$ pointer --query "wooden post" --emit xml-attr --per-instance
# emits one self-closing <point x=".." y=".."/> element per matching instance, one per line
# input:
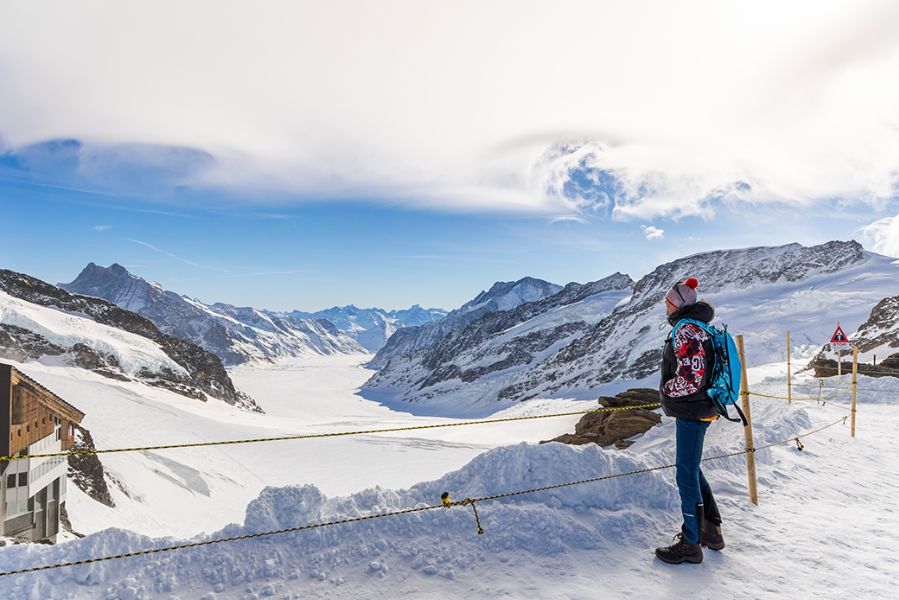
<point x="747" y="431"/>
<point x="789" y="379"/>
<point x="854" y="385"/>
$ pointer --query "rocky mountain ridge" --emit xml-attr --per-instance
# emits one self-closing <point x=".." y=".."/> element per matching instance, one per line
<point x="195" y="372"/>
<point x="234" y="334"/>
<point x="554" y="348"/>
<point x="502" y="296"/>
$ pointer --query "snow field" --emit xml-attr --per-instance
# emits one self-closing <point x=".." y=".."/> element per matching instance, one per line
<point x="813" y="534"/>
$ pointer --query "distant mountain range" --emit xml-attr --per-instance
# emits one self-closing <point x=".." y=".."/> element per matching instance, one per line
<point x="567" y="342"/>
<point x="238" y="334"/>
<point x="371" y="327"/>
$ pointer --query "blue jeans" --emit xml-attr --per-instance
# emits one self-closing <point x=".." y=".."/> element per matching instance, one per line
<point x="696" y="499"/>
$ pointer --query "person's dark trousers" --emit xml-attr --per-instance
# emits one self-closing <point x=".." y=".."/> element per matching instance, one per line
<point x="697" y="501"/>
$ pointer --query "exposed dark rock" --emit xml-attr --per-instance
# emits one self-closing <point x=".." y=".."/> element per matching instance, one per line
<point x="615" y="428"/>
<point x="519" y="351"/>
<point x="881" y="328"/>
<point x="825" y="367"/>
<point x="101" y="363"/>
<point x="647" y="364"/>
<point x="86" y="471"/>
<point x="65" y="522"/>
<point x="23" y="345"/>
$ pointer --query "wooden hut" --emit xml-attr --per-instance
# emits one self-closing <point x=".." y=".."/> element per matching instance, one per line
<point x="33" y="420"/>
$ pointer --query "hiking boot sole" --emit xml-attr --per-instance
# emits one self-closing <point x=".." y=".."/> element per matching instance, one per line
<point x="716" y="547"/>
<point x="695" y="559"/>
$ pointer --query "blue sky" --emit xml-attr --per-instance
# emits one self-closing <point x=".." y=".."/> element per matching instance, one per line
<point x="312" y="254"/>
<point x="299" y="155"/>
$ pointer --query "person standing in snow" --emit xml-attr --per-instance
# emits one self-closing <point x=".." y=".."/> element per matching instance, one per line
<point x="686" y="370"/>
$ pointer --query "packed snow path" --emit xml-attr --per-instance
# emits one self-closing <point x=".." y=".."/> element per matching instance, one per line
<point x="822" y="528"/>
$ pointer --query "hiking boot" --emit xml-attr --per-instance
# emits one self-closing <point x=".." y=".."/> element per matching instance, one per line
<point x="711" y="536"/>
<point x="682" y="551"/>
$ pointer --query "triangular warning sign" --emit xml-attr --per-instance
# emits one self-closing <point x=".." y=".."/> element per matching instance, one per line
<point x="839" y="336"/>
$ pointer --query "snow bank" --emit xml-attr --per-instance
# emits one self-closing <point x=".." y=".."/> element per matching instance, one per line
<point x="439" y="542"/>
<point x="442" y="543"/>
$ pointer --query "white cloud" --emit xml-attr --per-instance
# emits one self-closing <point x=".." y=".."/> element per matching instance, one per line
<point x="883" y="236"/>
<point x="463" y="105"/>
<point x="102" y="227"/>
<point x="652" y="233"/>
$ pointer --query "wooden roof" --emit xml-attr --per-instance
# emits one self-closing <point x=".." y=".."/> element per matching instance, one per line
<point x="48" y="398"/>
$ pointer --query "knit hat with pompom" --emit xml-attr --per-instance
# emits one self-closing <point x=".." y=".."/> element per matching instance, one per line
<point x="682" y="293"/>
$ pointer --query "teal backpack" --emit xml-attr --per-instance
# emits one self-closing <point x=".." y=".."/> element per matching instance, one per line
<point x="724" y="382"/>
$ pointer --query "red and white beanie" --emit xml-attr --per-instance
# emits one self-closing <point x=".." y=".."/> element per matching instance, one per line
<point x="682" y="293"/>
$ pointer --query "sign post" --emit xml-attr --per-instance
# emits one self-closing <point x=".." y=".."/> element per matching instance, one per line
<point x="838" y="343"/>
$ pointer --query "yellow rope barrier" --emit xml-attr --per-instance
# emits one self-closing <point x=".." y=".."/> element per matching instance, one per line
<point x="446" y="502"/>
<point x="310" y="436"/>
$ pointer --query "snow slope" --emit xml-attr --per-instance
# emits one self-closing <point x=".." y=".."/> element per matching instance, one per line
<point x="133" y="352"/>
<point x="822" y="529"/>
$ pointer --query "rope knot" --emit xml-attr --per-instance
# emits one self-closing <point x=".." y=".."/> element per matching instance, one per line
<point x="477" y="519"/>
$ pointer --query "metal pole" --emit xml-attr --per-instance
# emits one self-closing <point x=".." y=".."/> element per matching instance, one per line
<point x="747" y="431"/>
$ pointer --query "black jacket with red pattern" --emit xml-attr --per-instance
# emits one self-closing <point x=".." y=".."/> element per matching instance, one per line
<point x="686" y="366"/>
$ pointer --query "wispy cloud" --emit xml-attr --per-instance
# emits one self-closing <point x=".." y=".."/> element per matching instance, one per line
<point x="186" y="261"/>
<point x="269" y="273"/>
<point x="568" y="219"/>
<point x="473" y="258"/>
<point x="102" y="227"/>
<point x="651" y="232"/>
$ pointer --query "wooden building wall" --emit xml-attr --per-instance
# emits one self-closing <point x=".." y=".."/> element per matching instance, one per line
<point x="30" y="417"/>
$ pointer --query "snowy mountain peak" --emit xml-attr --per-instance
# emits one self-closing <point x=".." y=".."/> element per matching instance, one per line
<point x="506" y="295"/>
<point x="234" y="334"/>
